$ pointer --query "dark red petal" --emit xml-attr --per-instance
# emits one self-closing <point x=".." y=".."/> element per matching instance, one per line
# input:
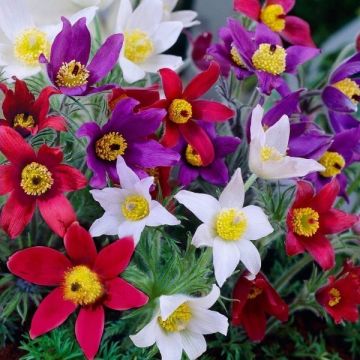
<point x="201" y="83"/>
<point x="89" y="328"/>
<point x="171" y="134"/>
<point x="79" y="245"/>
<point x="293" y="244"/>
<point x="51" y="313"/>
<point x="23" y="95"/>
<point x="325" y="198"/>
<point x="57" y="123"/>
<point x="50" y="156"/>
<point x="320" y="248"/>
<point x="250" y="8"/>
<point x="114" y="258"/>
<point x="240" y="296"/>
<point x="7" y="178"/>
<point x="70" y="178"/>
<point x="335" y="221"/>
<point x="123" y="296"/>
<point x="172" y="84"/>
<point x="211" y="111"/>
<point x="254" y="321"/>
<point x="304" y="193"/>
<point x="297" y="31"/>
<point x="41" y="104"/>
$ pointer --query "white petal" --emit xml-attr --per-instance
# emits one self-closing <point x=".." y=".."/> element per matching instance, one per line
<point x="255" y="162"/>
<point x="207" y="301"/>
<point x="124" y="14"/>
<point x="186" y="17"/>
<point x="110" y="199"/>
<point x="277" y="136"/>
<point x="146" y="336"/>
<point x="249" y="256"/>
<point x="106" y="225"/>
<point x="203" y="206"/>
<point x="166" y="35"/>
<point x="101" y="3"/>
<point x="208" y="322"/>
<point x="126" y="175"/>
<point x="256" y="129"/>
<point x="156" y="62"/>
<point x="131" y="228"/>
<point x="131" y="72"/>
<point x="169" y="303"/>
<point x="143" y="186"/>
<point x="233" y="194"/>
<point x="169" y="344"/>
<point x="258" y="224"/>
<point x="146" y="16"/>
<point x="193" y="344"/>
<point x="169" y="5"/>
<point x="203" y="236"/>
<point x="160" y="216"/>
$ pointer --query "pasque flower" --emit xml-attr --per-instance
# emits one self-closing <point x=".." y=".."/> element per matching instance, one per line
<point x="68" y="68"/>
<point x="129" y="209"/>
<point x="312" y="217"/>
<point x="200" y="46"/>
<point x="184" y="108"/>
<point x="35" y="179"/>
<point x="228" y="227"/>
<point x="186" y="17"/>
<point x="27" y="115"/>
<point x="253" y="301"/>
<point x="179" y="323"/>
<point x="83" y="278"/>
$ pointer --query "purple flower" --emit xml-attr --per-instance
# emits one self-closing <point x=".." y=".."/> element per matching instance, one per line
<point x="68" y="68"/>
<point x="126" y="134"/>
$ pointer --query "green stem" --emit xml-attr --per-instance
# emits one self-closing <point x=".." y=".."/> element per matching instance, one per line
<point x="249" y="182"/>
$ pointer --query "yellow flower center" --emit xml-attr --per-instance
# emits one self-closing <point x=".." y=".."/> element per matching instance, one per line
<point x="72" y="74"/>
<point x="270" y="153"/>
<point x="178" y="320"/>
<point x="305" y="221"/>
<point x="254" y="292"/>
<point x="135" y="207"/>
<point x="335" y="297"/>
<point x="333" y="163"/>
<point x="349" y="88"/>
<point x="24" y="120"/>
<point x="82" y="286"/>
<point x="230" y="224"/>
<point x="192" y="156"/>
<point x="270" y="58"/>
<point x="36" y="179"/>
<point x="180" y="111"/>
<point x="273" y="16"/>
<point x="236" y="57"/>
<point x="138" y="46"/>
<point x="110" y="146"/>
<point x="29" y="45"/>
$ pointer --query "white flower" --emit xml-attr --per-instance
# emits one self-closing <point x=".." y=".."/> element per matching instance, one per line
<point x="24" y="40"/>
<point x="228" y="227"/>
<point x="145" y="38"/>
<point x="185" y="16"/>
<point x="102" y="4"/>
<point x="129" y="209"/>
<point x="179" y="323"/>
<point x="267" y="156"/>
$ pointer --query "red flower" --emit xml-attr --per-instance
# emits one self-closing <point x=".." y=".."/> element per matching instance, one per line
<point x="311" y="217"/>
<point x="273" y="14"/>
<point x="83" y="278"/>
<point x="35" y="179"/>
<point x="199" y="48"/>
<point x="253" y="301"/>
<point x="183" y="109"/>
<point x="27" y="115"/>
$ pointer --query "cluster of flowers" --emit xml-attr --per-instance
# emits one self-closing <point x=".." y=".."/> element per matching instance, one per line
<point x="146" y="140"/>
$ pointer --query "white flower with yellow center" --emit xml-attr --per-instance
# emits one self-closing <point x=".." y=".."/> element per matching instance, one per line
<point x="129" y="209"/>
<point x="146" y="36"/>
<point x="180" y="323"/>
<point x="186" y="17"/>
<point x="228" y="227"/>
<point x="267" y="155"/>
<point x="24" y="40"/>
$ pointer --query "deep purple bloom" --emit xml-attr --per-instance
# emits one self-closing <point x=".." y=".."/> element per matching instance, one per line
<point x="68" y="68"/>
<point x="127" y="134"/>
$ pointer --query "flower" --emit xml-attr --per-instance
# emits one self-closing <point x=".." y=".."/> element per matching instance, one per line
<point x="253" y="301"/>
<point x="179" y="323"/>
<point x="129" y="209"/>
<point x="267" y="156"/>
<point x="146" y="36"/>
<point x="25" y="41"/>
<point x="35" y="179"/>
<point x="68" y="68"/>
<point x="311" y="217"/>
<point x="125" y="134"/>
<point x="199" y="48"/>
<point x="228" y="227"/>
<point x="183" y="109"/>
<point x="186" y="17"/>
<point x="27" y="115"/>
<point x="274" y="15"/>
<point x="83" y="278"/>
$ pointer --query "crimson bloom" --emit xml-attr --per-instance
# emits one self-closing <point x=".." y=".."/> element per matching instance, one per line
<point x="83" y="278"/>
<point x="35" y="179"/>
<point x="274" y="15"/>
<point x="184" y="108"/>
<point x="311" y="217"/>
<point x="27" y="115"/>
<point x="253" y="301"/>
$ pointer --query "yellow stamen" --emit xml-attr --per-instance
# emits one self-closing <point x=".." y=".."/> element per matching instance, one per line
<point x="138" y="46"/>
<point x="236" y="57"/>
<point x="110" y="146"/>
<point x="178" y="320"/>
<point x="305" y="221"/>
<point x="254" y="292"/>
<point x="349" y="88"/>
<point x="335" y="297"/>
<point x="135" y="207"/>
<point x="270" y="153"/>
<point x="180" y="111"/>
<point x="273" y="16"/>
<point x="72" y="74"/>
<point x="333" y="163"/>
<point x="24" y="120"/>
<point x="192" y="156"/>
<point x="82" y="286"/>
<point x="270" y="58"/>
<point x="230" y="224"/>
<point x="36" y="179"/>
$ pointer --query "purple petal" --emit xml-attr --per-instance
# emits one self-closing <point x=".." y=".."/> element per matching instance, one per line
<point x="89" y="129"/>
<point x="345" y="70"/>
<point x="74" y="91"/>
<point x="267" y="81"/>
<point x="263" y="35"/>
<point x="297" y="55"/>
<point x="342" y="121"/>
<point x="187" y="174"/>
<point x="335" y="100"/>
<point x="216" y="173"/>
<point x="225" y="145"/>
<point x="347" y="144"/>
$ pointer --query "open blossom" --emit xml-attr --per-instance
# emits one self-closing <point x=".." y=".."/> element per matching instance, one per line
<point x="83" y="278"/>
<point x="68" y="68"/>
<point x="312" y="217"/>
<point x="186" y="17"/>
<point x="35" y="179"/>
<point x="180" y="323"/>
<point x="228" y="227"/>
<point x="267" y="157"/>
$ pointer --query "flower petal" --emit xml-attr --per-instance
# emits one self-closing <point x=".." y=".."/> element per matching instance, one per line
<point x="208" y="322"/>
<point x="250" y="8"/>
<point x="146" y="336"/>
<point x="171" y="83"/>
<point x="131" y="228"/>
<point x="335" y="221"/>
<point x="203" y="236"/>
<point x="169" y="344"/>
<point x="166" y="35"/>
<point x="106" y="225"/>
<point x="293" y="244"/>
<point x="131" y="71"/>
<point x="156" y="62"/>
<point x="160" y="216"/>
<point x="126" y="175"/>
<point x="297" y="31"/>
<point x="169" y="303"/>
<point x="258" y="224"/>
<point x="207" y="301"/>
<point x="71" y="179"/>
<point x="249" y="256"/>
<point x="278" y="135"/>
<point x="234" y="193"/>
<point x="146" y="16"/>
<point x="297" y="55"/>
<point x="211" y="111"/>
<point x="194" y="344"/>
<point x="7" y="176"/>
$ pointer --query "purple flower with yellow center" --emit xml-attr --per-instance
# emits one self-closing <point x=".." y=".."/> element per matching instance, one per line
<point x="127" y="134"/>
<point x="68" y="68"/>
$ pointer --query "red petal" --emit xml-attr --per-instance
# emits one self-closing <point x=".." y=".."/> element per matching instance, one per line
<point x="293" y="245"/>
<point x="304" y="193"/>
<point x="70" y="179"/>
<point x="51" y="313"/>
<point x="22" y="93"/>
<point x="250" y="8"/>
<point x="201" y="83"/>
<point x="171" y="134"/>
<point x="172" y="84"/>
<point x="254" y="321"/>
<point x="297" y="31"/>
<point x="146" y="96"/>
<point x="50" y="156"/>
<point x="325" y="198"/>
<point x="41" y="105"/>
<point x="123" y="296"/>
<point x="7" y="177"/>
<point x="57" y="123"/>
<point x="320" y="248"/>
<point x="114" y="258"/>
<point x="89" y="328"/>
<point x="286" y="4"/>
<point x="335" y="221"/>
<point x="79" y="245"/>
<point x="240" y="296"/>
<point x="211" y="111"/>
